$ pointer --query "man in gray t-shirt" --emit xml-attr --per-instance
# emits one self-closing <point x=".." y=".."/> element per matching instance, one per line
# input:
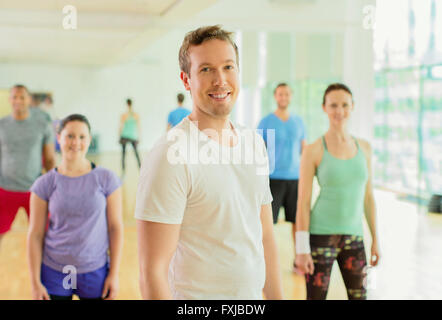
<point x="26" y="144"/>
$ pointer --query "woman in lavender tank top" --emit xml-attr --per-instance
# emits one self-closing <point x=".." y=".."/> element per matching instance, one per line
<point x="76" y="249"/>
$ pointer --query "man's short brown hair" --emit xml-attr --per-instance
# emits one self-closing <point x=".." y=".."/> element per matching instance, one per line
<point x="282" y="84"/>
<point x="200" y="35"/>
<point x="22" y="87"/>
<point x="180" y="97"/>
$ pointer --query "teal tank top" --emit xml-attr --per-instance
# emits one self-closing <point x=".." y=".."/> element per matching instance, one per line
<point x="339" y="208"/>
<point x="130" y="128"/>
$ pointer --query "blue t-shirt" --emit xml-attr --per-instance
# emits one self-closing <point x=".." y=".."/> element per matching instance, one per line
<point x="177" y="115"/>
<point x="283" y="145"/>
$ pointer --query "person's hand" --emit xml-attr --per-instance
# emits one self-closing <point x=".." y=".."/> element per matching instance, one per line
<point x="375" y="256"/>
<point x="39" y="292"/>
<point x="304" y="263"/>
<point x="110" y="288"/>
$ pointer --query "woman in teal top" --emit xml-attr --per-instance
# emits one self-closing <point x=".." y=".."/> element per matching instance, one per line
<point x="333" y="229"/>
<point x="129" y="133"/>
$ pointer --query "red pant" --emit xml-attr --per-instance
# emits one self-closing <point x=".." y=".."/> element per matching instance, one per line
<point x="10" y="202"/>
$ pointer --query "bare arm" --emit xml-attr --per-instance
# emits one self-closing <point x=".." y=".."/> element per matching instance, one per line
<point x="35" y="239"/>
<point x="49" y="156"/>
<point x="115" y="229"/>
<point x="120" y="129"/>
<point x="303" y="145"/>
<point x="370" y="206"/>
<point x="157" y="243"/>
<point x="138" y="126"/>
<point x="304" y="261"/>
<point x="306" y="175"/>
<point x="273" y="285"/>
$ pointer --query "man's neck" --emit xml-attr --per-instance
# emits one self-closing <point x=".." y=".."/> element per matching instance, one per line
<point x="207" y="123"/>
<point x="281" y="113"/>
<point x="20" y="116"/>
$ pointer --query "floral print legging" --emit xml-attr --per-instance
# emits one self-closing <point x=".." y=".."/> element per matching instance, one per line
<point x="349" y="251"/>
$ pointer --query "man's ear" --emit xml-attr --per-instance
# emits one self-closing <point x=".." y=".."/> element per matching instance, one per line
<point x="186" y="80"/>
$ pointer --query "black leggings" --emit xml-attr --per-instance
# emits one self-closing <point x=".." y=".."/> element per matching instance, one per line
<point x="349" y="251"/>
<point x="134" y="143"/>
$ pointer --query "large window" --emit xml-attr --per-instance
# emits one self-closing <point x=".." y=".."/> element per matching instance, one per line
<point x="408" y="112"/>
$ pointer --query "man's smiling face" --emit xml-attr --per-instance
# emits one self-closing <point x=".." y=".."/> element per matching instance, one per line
<point x="214" y="77"/>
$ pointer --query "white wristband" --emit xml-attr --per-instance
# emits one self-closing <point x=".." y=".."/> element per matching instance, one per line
<point x="303" y="242"/>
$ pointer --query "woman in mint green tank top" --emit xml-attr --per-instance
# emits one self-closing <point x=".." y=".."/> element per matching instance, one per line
<point x="333" y="228"/>
<point x="129" y="133"/>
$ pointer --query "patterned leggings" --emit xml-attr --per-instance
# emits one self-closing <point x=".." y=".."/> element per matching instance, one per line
<point x="350" y="253"/>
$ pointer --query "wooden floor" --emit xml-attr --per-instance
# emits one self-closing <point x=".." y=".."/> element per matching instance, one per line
<point x="411" y="243"/>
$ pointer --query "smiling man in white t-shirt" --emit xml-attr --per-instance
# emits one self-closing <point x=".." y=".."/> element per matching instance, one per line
<point x="203" y="209"/>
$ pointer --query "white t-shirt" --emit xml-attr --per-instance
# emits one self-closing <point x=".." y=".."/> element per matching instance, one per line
<point x="218" y="203"/>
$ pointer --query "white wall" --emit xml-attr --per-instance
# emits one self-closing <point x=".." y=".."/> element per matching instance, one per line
<point x="358" y="69"/>
<point x="100" y="93"/>
<point x="151" y="79"/>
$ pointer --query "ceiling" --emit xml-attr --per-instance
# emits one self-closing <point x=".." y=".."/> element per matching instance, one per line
<point x="286" y="15"/>
<point x="154" y="7"/>
<point x="114" y="31"/>
<point x="108" y="31"/>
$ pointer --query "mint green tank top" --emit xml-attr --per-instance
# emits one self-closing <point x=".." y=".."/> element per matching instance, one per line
<point x="130" y="128"/>
<point x="339" y="208"/>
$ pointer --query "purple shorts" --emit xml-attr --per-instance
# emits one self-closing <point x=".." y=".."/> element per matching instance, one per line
<point x="84" y="285"/>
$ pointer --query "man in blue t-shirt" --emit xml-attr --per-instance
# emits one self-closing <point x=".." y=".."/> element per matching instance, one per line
<point x="178" y="114"/>
<point x="284" y="154"/>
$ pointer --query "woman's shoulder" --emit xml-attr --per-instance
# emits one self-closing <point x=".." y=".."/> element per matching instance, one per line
<point x="107" y="179"/>
<point x="45" y="180"/>
<point x="48" y="176"/>
<point x="102" y="171"/>
<point x="364" y="144"/>
<point x="313" y="152"/>
<point x="315" y="146"/>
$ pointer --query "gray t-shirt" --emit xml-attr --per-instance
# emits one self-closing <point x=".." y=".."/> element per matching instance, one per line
<point x="21" y="150"/>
